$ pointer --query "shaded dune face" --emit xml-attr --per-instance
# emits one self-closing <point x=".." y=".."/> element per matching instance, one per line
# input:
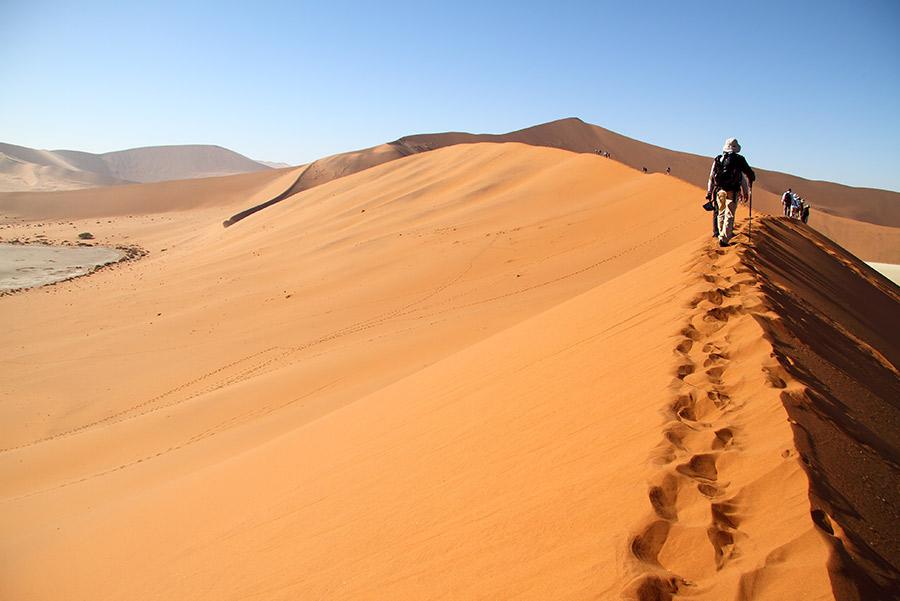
<point x="485" y="371"/>
<point x="837" y="332"/>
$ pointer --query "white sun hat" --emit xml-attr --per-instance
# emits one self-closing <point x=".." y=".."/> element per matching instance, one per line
<point x="731" y="145"/>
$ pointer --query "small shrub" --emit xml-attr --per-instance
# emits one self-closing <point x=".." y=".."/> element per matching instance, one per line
<point x="86" y="236"/>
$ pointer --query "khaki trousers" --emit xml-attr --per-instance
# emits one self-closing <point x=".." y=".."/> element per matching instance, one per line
<point x="727" y="205"/>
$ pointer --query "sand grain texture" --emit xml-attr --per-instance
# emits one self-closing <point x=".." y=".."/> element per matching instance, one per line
<point x="479" y="372"/>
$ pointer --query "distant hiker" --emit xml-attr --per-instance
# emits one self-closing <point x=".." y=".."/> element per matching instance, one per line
<point x="726" y="184"/>
<point x="786" y="200"/>
<point x="668" y="171"/>
<point x="797" y="203"/>
<point x="645" y="169"/>
<point x="804" y="212"/>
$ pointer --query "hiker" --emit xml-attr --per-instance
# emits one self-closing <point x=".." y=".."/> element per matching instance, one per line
<point x="787" y="200"/>
<point x="804" y="212"/>
<point x="726" y="185"/>
<point x="668" y="171"/>
<point x="645" y="169"/>
<point x="797" y="203"/>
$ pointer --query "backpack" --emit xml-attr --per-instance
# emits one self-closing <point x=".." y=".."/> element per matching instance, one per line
<point x="727" y="172"/>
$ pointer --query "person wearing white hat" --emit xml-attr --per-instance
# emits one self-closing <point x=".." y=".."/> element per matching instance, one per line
<point x="726" y="184"/>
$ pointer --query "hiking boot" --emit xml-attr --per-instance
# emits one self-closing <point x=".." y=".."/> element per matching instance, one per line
<point x="723" y="242"/>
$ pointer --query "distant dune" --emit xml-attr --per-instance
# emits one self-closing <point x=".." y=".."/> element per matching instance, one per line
<point x="486" y="371"/>
<point x="864" y="220"/>
<point x="881" y="207"/>
<point x="26" y="169"/>
<point x="274" y="165"/>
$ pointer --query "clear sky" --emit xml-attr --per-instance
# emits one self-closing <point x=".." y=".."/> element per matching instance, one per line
<point x="810" y="88"/>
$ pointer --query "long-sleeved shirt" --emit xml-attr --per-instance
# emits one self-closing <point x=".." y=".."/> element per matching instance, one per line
<point x="741" y="164"/>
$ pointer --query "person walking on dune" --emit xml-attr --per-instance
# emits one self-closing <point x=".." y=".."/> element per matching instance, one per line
<point x="787" y="200"/>
<point x="726" y="184"/>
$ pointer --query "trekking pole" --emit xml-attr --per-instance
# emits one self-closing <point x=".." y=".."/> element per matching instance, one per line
<point x="750" y="202"/>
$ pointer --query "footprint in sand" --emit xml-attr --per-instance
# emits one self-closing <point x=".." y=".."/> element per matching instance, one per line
<point x="684" y="370"/>
<point x="685" y="346"/>
<point x="775" y="377"/>
<point x="724" y="438"/>
<point x="700" y="467"/>
<point x="722" y="314"/>
<point x="663" y="497"/>
<point x="646" y="545"/>
<point x="714" y="357"/>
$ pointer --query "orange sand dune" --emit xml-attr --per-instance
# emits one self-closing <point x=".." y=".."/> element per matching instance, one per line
<point x="324" y="170"/>
<point x="142" y="199"/>
<point x="844" y="213"/>
<point x="487" y="371"/>
<point x="881" y="207"/>
<point x="837" y="332"/>
<point x="867" y="221"/>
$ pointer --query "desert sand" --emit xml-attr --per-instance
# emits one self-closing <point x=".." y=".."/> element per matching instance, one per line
<point x="486" y="371"/>
<point x="24" y="169"/>
<point x="864" y="220"/>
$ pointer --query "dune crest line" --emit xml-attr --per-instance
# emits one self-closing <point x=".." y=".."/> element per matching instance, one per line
<point x="704" y="485"/>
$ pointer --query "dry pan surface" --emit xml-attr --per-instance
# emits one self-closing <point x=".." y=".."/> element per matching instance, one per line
<point x="26" y="266"/>
<point x="480" y="373"/>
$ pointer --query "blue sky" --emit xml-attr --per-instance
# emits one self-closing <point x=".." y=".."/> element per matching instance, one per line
<point x="811" y="88"/>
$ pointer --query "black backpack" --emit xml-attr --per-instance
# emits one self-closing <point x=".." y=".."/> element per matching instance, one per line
<point x="727" y="173"/>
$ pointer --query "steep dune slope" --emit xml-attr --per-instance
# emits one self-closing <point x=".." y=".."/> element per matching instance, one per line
<point x="235" y="337"/>
<point x="324" y="170"/>
<point x="866" y="221"/>
<point x="880" y="207"/>
<point x="481" y="372"/>
<point x="836" y="332"/>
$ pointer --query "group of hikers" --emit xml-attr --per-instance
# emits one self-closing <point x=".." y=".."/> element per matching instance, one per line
<point x="794" y="206"/>
<point x="730" y="181"/>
